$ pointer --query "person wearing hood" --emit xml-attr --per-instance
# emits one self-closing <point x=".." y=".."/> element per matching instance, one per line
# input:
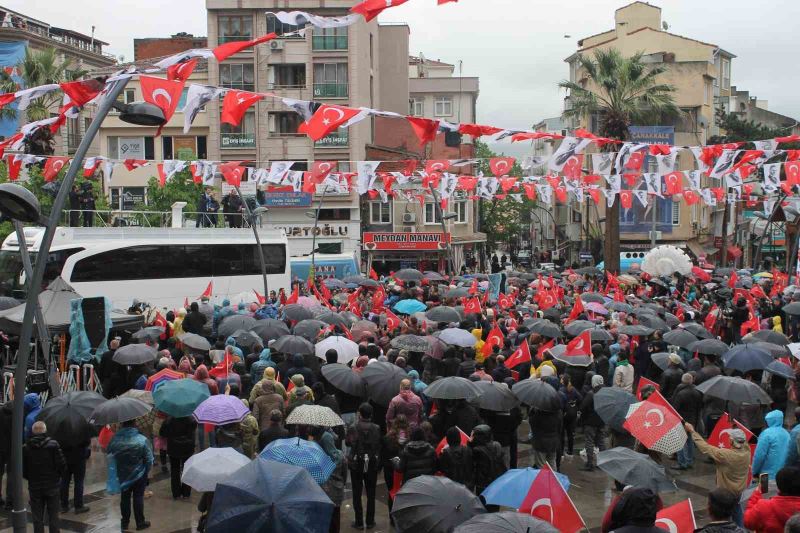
<point x="299" y="367"/>
<point x="300" y="394"/>
<point x="776" y="324"/>
<point x="266" y="402"/>
<point x="623" y="374"/>
<point x="487" y="459"/>
<point x="185" y="366"/>
<point x="194" y="321"/>
<point x="546" y="427"/>
<point x="32" y="406"/>
<point x="721" y="506"/>
<point x="688" y="401"/>
<point x="268" y="375"/>
<point x="42" y="465"/>
<point x="635" y="512"/>
<point x="177" y="324"/>
<point x="250" y="429"/>
<point x="364" y="447"/>
<point x="672" y="376"/>
<point x="456" y="460"/>
<point x="418" y="457"/>
<point x="406" y="403"/>
<point x="770" y="515"/>
<point x="772" y="448"/>
<point x="230" y="436"/>
<point x="321" y="397"/>
<point x="417" y="385"/>
<point x="264" y="361"/>
<point x="130" y="459"/>
<point x="201" y="375"/>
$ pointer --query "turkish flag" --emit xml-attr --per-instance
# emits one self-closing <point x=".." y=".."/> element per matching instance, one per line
<point x="724" y="426"/>
<point x="14" y="165"/>
<point x="495" y="338"/>
<point x="320" y="169"/>
<point x="209" y="289"/>
<point x="678" y="518"/>
<point x="733" y="279"/>
<point x="635" y="161"/>
<point x="295" y="295"/>
<point x="425" y="129"/>
<point x="370" y="9"/>
<point x="573" y="168"/>
<point x="434" y="166"/>
<point x="443" y="443"/>
<point x="372" y="274"/>
<point x="392" y="321"/>
<point x="530" y="190"/>
<point x="181" y="71"/>
<point x="520" y="355"/>
<point x="326" y="119"/>
<point x="547" y="300"/>
<point x="643" y="381"/>
<point x="758" y="292"/>
<point x="226" y="50"/>
<point x="626" y="199"/>
<point x="162" y="93"/>
<point x="476" y="130"/>
<point x="236" y="104"/>
<point x="548" y="501"/>
<point x="132" y="164"/>
<point x="506" y="184"/>
<point x="232" y="172"/>
<point x="691" y="197"/>
<point x="792" y="169"/>
<point x="473" y="306"/>
<point x="162" y="175"/>
<point x="53" y="167"/>
<point x="577" y="309"/>
<point x="260" y="297"/>
<point x="82" y="92"/>
<point x="580" y="345"/>
<point x="544" y="347"/>
<point x="473" y="289"/>
<point x="505" y="301"/>
<point x="654" y="425"/>
<point x="711" y="318"/>
<point x="673" y="183"/>
<point x="501" y="166"/>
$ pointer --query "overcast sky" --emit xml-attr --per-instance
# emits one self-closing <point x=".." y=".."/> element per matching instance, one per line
<point x="516" y="47"/>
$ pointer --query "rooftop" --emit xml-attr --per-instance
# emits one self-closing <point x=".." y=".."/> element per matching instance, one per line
<point x="414" y="60"/>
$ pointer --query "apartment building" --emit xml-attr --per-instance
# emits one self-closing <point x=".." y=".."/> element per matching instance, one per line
<point x="153" y="47"/>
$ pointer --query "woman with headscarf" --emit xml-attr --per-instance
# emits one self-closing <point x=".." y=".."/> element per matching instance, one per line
<point x="201" y="374"/>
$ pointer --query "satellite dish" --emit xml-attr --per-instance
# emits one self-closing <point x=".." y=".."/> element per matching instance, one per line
<point x="665" y="25"/>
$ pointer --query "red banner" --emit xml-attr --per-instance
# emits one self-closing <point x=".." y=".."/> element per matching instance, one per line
<point x="405" y="241"/>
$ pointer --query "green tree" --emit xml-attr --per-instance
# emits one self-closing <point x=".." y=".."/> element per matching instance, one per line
<point x="39" y="67"/>
<point x="180" y="188"/>
<point x="623" y="91"/>
<point x="738" y="130"/>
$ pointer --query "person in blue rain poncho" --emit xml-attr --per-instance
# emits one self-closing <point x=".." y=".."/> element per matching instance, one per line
<point x="32" y="406"/>
<point x="264" y="361"/>
<point x="129" y="461"/>
<point x="772" y="448"/>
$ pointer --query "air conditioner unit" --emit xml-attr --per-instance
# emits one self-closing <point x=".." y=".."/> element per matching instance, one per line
<point x="409" y="218"/>
<point x="276" y="44"/>
<point x="408" y="229"/>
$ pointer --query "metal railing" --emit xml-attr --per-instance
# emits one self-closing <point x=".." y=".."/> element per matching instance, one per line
<point x="330" y="90"/>
<point x="153" y="219"/>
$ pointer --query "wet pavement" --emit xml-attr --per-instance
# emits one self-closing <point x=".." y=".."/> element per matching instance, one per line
<point x="591" y="492"/>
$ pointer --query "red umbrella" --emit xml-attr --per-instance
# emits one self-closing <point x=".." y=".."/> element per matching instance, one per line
<point x="160" y="377"/>
<point x="701" y="274"/>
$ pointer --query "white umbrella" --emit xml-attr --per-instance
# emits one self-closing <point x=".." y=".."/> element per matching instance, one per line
<point x="314" y="415"/>
<point x="204" y="470"/>
<point x="347" y="349"/>
<point x="458" y="337"/>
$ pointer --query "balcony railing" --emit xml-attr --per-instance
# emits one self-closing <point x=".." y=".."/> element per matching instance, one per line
<point x="329" y="42"/>
<point x="330" y="90"/>
<point x="237" y="140"/>
<point x="230" y="38"/>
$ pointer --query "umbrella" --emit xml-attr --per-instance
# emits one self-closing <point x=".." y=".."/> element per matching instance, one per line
<point x="734" y="389"/>
<point x="204" y="470"/>
<point x="308" y="302"/>
<point x="232" y="323"/>
<point x="67" y="417"/>
<point x="195" y="342"/>
<point x="596" y="308"/>
<point x="510" y="489"/>
<point x="599" y="334"/>
<point x="309" y="329"/>
<point x="314" y="415"/>
<point x="680" y="337"/>
<point x="781" y="369"/>
<point x="436" y="346"/>
<point x="434" y="505"/>
<point x="773" y="349"/>
<point x="661" y="359"/>
<point x="654" y="322"/>
<point x="547" y="329"/>
<point x="296" y="312"/>
<point x="495" y="396"/>
<point x="269" y="497"/>
<point x="354" y="279"/>
<point x="151" y="333"/>
<point x="161" y="377"/>
<point x="299" y="452"/>
<point x="246" y="339"/>
<point x="595" y="297"/>
<point x="220" y="409"/>
<point x="620" y="306"/>
<point x="458" y="292"/>
<point x="792" y="308"/>
<point x="592" y="271"/>
<point x="577" y="327"/>
<point x="292" y="344"/>
<point x="709" y="347"/>
<point x="443" y="313"/>
<point x="697" y="330"/>
<point x="505" y="522"/>
<point x="369" y="283"/>
<point x="344" y="379"/>
<point x="270" y="329"/>
<point x="143" y="395"/>
<point x="452" y="388"/>
<point x="637" y="330"/>
<point x="364" y="326"/>
<point x="433" y="276"/>
<point x="671" y="320"/>
<point x="637" y="469"/>
<point x="744" y="357"/>
<point x="701" y="274"/>
<point x="409" y="307"/>
<point x="458" y="337"/>
<point x="767" y="335"/>
<point x="383" y="381"/>
<point x="558" y="352"/>
<point x="611" y="404"/>
<point x="117" y="410"/>
<point x="346" y="349"/>
<point x="412" y="343"/>
<point x="537" y="394"/>
<point x="333" y="283"/>
<point x="7" y="302"/>
<point x="134" y="354"/>
<point x="408" y="274"/>
<point x="333" y="319"/>
<point x="349" y="317"/>
<point x="180" y="397"/>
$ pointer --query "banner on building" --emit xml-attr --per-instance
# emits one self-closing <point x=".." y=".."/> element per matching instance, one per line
<point x="639" y="218"/>
<point x="405" y="241"/>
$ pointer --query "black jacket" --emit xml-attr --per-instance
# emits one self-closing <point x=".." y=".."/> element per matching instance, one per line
<point x="546" y="428"/>
<point x="74" y="455"/>
<point x="688" y="401"/>
<point x="180" y="435"/>
<point x="5" y="429"/>
<point x="504" y="425"/>
<point x="589" y="416"/>
<point x="670" y="380"/>
<point x="42" y="463"/>
<point x="418" y="458"/>
<point x="450" y="367"/>
<point x="456" y="463"/>
<point x="720" y="527"/>
<point x="193" y="322"/>
<point x="271" y="433"/>
<point x="364" y="439"/>
<point x="487" y="458"/>
<point x="466" y="368"/>
<point x="464" y="416"/>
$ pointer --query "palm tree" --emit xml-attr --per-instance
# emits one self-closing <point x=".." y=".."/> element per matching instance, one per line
<point x="622" y="91"/>
<point x="40" y="67"/>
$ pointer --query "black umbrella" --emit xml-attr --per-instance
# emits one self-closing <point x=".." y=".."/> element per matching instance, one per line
<point x="349" y="317"/>
<point x="117" y="410"/>
<point x="151" y="333"/>
<point x="368" y="283"/>
<point x="246" y="339"/>
<point x="680" y="337"/>
<point x="709" y="347"/>
<point x="697" y="330"/>
<point x="433" y="504"/>
<point x="746" y="357"/>
<point x="195" y="342"/>
<point x="781" y="369"/>
<point x="611" y="404"/>
<point x="724" y="271"/>
<point x="443" y="313"/>
<point x="767" y="335"/>
<point x="577" y="327"/>
<point x="383" y="381"/>
<point x="773" y="349"/>
<point x="734" y="389"/>
<point x="559" y="354"/>
<point x="619" y="306"/>
<point x="334" y="319"/>
<point x="270" y="329"/>
<point x="599" y="334"/>
<point x="593" y="271"/>
<point x="637" y="330"/>
<point x="67" y="417"/>
<point x="458" y="292"/>
<point x="547" y="329"/>
<point x="232" y="323"/>
<point x="134" y="354"/>
<point x="671" y="320"/>
<point x="354" y="279"/>
<point x="792" y="308"/>
<point x="412" y="343"/>
<point x="296" y="312"/>
<point x="537" y="394"/>
<point x="333" y="283"/>
<point x="430" y="275"/>
<point x="636" y="469"/>
<point x="505" y="522"/>
<point x="7" y="302"/>
<point x="654" y="322"/>
<point x="309" y="328"/>
<point x="496" y="396"/>
<point x="661" y="359"/>
<point x="408" y="274"/>
<point x="293" y="345"/>
<point x="595" y="297"/>
<point x="553" y="313"/>
<point x="343" y="378"/>
<point x="452" y="388"/>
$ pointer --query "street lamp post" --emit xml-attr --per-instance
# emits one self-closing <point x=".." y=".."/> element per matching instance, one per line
<point x="252" y="220"/>
<point x="443" y="217"/>
<point x="769" y="217"/>
<point x="315" y="216"/>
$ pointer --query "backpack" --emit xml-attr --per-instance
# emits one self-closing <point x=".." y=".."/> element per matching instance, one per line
<point x="363" y="453"/>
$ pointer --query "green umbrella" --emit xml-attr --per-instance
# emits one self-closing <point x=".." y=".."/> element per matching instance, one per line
<point x="180" y="397"/>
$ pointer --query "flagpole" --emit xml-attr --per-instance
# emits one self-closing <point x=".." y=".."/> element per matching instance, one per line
<point x="252" y="221"/>
<point x="566" y="494"/>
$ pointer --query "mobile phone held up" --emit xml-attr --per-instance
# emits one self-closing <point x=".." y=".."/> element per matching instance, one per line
<point x="763" y="481"/>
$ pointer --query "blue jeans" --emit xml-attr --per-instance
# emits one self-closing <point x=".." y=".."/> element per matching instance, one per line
<point x="686" y="454"/>
<point x="738" y="514"/>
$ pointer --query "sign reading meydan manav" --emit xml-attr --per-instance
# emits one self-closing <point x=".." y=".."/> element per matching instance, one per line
<point x="405" y="241"/>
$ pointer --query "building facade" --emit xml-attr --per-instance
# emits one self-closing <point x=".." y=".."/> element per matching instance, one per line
<point x="152" y="47"/>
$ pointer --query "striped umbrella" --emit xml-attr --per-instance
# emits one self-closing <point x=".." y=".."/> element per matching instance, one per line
<point x="161" y="377"/>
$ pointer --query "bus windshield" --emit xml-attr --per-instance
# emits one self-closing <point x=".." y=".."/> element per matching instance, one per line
<point x="12" y="277"/>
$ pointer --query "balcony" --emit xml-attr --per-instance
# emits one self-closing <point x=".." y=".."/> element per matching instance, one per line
<point x="231" y="38"/>
<point x="329" y="42"/>
<point x="330" y="90"/>
<point x="338" y="139"/>
<point x="237" y="140"/>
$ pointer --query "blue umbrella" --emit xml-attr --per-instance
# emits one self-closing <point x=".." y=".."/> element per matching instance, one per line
<point x="510" y="489"/>
<point x="744" y="357"/>
<point x="302" y="453"/>
<point x="180" y="397"/>
<point x="268" y="497"/>
<point x="409" y="307"/>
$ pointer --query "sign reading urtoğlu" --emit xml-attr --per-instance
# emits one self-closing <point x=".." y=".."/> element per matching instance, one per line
<point x="405" y="241"/>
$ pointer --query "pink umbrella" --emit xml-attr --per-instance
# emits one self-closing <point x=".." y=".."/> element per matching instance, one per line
<point x="595" y="307"/>
<point x="307" y="302"/>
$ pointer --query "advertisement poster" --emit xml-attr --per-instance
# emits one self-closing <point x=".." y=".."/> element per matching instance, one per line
<point x="639" y="219"/>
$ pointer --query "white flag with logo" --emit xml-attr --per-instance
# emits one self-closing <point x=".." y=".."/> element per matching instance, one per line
<point x="641" y="196"/>
<point x="772" y="176"/>
<point x="653" y="183"/>
<point x="569" y="147"/>
<point x="545" y="192"/>
<point x="614" y="182"/>
<point x="366" y="175"/>
<point x="610" y="196"/>
<point x="278" y="171"/>
<point x="724" y="163"/>
<point x="602" y="163"/>
<point x="197" y="96"/>
<point x="708" y="197"/>
<point x="693" y="177"/>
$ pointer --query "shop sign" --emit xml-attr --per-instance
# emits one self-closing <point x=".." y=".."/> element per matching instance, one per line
<point x="405" y="241"/>
<point x="323" y="230"/>
<point x="287" y="199"/>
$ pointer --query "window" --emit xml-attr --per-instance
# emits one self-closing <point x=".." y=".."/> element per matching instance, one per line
<point x="131" y="148"/>
<point x="183" y="147"/>
<point x="443" y="106"/>
<point x="329" y="39"/>
<point x="334" y="214"/>
<point x="237" y="76"/>
<point x="460" y="209"/>
<point x="432" y="214"/>
<point x="11" y="270"/>
<point x="234" y="28"/>
<point x="706" y="93"/>
<point x="241" y="136"/>
<point x="416" y="107"/>
<point x="287" y="76"/>
<point x="329" y="247"/>
<point x="284" y="124"/>
<point x="73" y="135"/>
<point x="726" y="73"/>
<point x="380" y="213"/>
<point x="676" y="213"/>
<point x="276" y="26"/>
<point x="330" y="80"/>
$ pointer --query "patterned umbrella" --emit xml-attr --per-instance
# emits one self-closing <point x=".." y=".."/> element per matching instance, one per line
<point x="314" y="415"/>
<point x="305" y="454"/>
<point x="161" y="377"/>
<point x="180" y="397"/>
<point x="412" y="343"/>
<point x="220" y="409"/>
